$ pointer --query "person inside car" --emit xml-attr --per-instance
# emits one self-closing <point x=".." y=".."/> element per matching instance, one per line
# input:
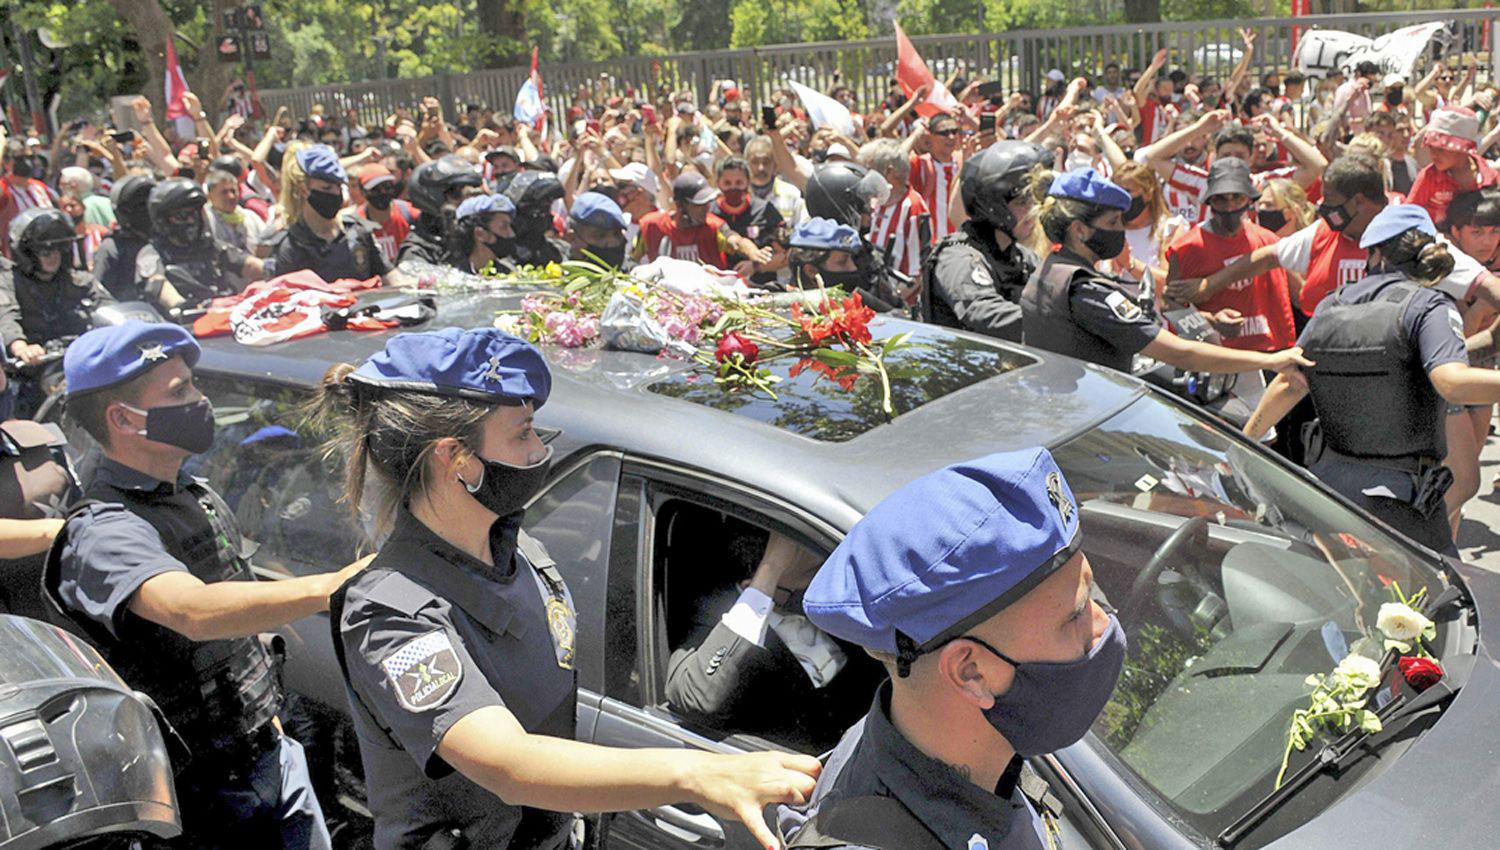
<point x="458" y="644"/>
<point x="971" y="586"/>
<point x="751" y="639"/>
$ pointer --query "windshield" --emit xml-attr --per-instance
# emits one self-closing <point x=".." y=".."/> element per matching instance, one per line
<point x="1263" y="579"/>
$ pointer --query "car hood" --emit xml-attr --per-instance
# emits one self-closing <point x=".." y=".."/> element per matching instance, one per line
<point x="1441" y="792"/>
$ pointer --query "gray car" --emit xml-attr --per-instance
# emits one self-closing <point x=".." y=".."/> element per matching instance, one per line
<point x="1236" y="575"/>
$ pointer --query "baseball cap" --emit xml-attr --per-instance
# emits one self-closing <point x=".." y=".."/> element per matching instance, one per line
<point x="637" y="174"/>
<point x="375" y="174"/>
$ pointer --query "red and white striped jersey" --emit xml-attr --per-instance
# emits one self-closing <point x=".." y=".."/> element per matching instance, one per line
<point x="1157" y="120"/>
<point x="933" y="180"/>
<point x="1185" y="188"/>
<point x="898" y="229"/>
<point x="17" y="197"/>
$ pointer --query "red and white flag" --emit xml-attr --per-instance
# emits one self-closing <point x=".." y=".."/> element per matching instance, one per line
<point x="530" y="108"/>
<point x="176" y="84"/>
<point x="4" y="75"/>
<point x="912" y="73"/>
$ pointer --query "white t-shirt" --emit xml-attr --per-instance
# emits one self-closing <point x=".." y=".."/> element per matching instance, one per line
<point x="1295" y="255"/>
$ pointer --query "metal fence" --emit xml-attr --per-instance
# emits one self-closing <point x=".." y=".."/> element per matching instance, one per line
<point x="1018" y="58"/>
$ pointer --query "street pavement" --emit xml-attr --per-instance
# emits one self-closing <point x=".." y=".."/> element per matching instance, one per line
<point x="1479" y="536"/>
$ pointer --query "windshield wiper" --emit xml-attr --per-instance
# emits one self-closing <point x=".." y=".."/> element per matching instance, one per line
<point x="1337" y="754"/>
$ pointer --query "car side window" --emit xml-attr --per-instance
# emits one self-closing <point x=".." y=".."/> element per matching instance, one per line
<point x="572" y="518"/>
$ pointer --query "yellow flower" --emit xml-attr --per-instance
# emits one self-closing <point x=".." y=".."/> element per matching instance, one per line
<point x="553" y="270"/>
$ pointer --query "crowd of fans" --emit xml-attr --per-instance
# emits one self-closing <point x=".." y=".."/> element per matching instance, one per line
<point x="727" y="179"/>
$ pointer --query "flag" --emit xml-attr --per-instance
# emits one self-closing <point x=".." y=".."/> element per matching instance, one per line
<point x="530" y="108"/>
<point x="912" y="74"/>
<point x="256" y="111"/>
<point x="176" y="83"/>
<point x="824" y="111"/>
<point x="4" y="75"/>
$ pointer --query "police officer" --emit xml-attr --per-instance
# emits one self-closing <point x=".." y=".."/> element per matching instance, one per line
<point x="152" y="568"/>
<point x="484" y="237"/>
<point x="1390" y="352"/>
<point x="37" y="486"/>
<point x="44" y="299"/>
<point x="596" y="230"/>
<point x="823" y="252"/>
<point x="999" y="654"/>
<point x="458" y="642"/>
<point x="319" y="239"/>
<point x="436" y="189"/>
<point x="115" y="258"/>
<point x="1071" y="308"/>
<point x="848" y="194"/>
<point x="534" y="193"/>
<point x="973" y="278"/>
<point x="184" y="265"/>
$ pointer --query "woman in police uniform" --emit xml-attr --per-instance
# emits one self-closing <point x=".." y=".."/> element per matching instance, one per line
<point x="457" y="643"/>
<point x="1071" y="308"/>
<point x="1390" y="352"/>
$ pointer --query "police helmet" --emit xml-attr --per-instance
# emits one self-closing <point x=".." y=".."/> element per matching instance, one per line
<point x="845" y="192"/>
<point x="38" y="229"/>
<point x="432" y="181"/>
<point x="108" y="747"/>
<point x="128" y="197"/>
<point x="533" y="193"/>
<point x="995" y="177"/>
<point x="173" y="196"/>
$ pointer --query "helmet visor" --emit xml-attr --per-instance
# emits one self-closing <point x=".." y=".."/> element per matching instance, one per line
<point x="873" y="188"/>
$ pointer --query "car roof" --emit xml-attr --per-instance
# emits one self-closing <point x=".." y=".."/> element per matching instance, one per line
<point x="603" y="398"/>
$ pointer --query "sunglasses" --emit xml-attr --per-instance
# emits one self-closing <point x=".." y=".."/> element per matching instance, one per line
<point x="949" y="133"/>
<point x="184" y="217"/>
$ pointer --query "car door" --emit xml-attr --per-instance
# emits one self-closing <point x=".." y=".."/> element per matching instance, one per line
<point x="633" y="710"/>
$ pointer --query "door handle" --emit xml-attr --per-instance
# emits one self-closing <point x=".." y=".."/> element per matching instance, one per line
<point x="692" y="828"/>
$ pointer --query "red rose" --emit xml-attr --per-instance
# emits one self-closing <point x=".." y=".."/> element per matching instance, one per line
<point x="1420" y="673"/>
<point x="854" y="319"/>
<point x="731" y="344"/>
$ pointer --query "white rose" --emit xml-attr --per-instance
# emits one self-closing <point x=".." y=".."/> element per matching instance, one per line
<point x="1359" y="671"/>
<point x="1400" y="622"/>
<point x="509" y="323"/>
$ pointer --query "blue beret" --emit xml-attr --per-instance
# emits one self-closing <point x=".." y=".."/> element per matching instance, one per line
<point x="104" y="357"/>
<point x="484" y="364"/>
<point x="825" y="234"/>
<point x="1085" y="184"/>
<point x="1395" y="220"/>
<point x="598" y="210"/>
<point x="483" y="204"/>
<point x="947" y="552"/>
<point x="321" y="163"/>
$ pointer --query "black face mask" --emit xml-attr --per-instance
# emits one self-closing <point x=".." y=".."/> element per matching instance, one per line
<point x="381" y="201"/>
<point x="23" y="166"/>
<point x="1106" y="244"/>
<point x="1229" y="221"/>
<point x="504" y="489"/>
<point x="325" y="204"/>
<point x="1393" y="98"/>
<point x="610" y="255"/>
<point x="1137" y="206"/>
<point x="501" y="246"/>
<point x="1272" y="220"/>
<point x="763" y="191"/>
<point x="187" y="426"/>
<point x="848" y="281"/>
<point x="1335" y="216"/>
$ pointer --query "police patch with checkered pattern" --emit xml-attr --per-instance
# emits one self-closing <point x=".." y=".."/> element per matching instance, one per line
<point x="424" y="671"/>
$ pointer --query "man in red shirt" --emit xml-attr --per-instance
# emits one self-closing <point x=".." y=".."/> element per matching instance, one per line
<point x="19" y="190"/>
<point x="391" y="216"/>
<point x="1263" y="303"/>
<point x="933" y="173"/>
<point x="1452" y="138"/>
<point x="1155" y="95"/>
<point x="691" y="232"/>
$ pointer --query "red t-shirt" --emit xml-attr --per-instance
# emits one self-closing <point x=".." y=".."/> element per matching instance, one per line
<point x="1263" y="300"/>
<point x="1334" y="262"/>
<point x="390" y="235"/>
<point x="1434" y="189"/>
<point x="1156" y="120"/>
<point x="706" y="243"/>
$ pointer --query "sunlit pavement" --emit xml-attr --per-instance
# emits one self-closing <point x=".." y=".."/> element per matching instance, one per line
<point x="1479" y="536"/>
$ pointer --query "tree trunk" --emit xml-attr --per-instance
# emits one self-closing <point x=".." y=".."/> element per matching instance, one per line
<point x="152" y="29"/>
<point x="503" y="24"/>
<point x="1143" y="11"/>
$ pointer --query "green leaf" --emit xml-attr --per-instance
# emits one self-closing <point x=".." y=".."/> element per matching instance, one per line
<point x="1369" y="721"/>
<point x="834" y="357"/>
<point x="1397" y="645"/>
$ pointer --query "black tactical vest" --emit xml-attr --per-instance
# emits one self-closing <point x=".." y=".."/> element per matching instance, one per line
<point x="1009" y="272"/>
<point x="1047" y="314"/>
<point x="197" y="272"/>
<point x="218" y="694"/>
<point x="1374" y="399"/>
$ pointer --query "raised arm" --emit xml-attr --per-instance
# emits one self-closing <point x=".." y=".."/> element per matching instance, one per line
<point x="156" y="146"/>
<point x="1310" y="160"/>
<point x="1237" y="76"/>
<point x="1143" y="86"/>
<point x="1159" y="153"/>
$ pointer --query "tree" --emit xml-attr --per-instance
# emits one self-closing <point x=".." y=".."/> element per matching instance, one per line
<point x="503" y="24"/>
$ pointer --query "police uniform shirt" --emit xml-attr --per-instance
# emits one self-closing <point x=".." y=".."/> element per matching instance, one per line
<point x="875" y="759"/>
<point x="1108" y="312"/>
<point x="351" y="254"/>
<point x="423" y="247"/>
<point x="115" y="264"/>
<point x="199" y="262"/>
<point x="430" y="635"/>
<point x="974" y="289"/>
<point x="38" y="311"/>
<point x="110" y="551"/>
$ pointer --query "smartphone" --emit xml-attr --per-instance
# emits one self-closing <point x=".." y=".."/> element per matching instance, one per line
<point x="648" y="114"/>
<point x="986" y="122"/>
<point x="993" y="88"/>
<point x="123" y="137"/>
<point x="768" y="117"/>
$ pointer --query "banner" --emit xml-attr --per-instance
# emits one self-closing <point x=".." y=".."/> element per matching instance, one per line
<point x="824" y="111"/>
<point x="1322" y="53"/>
<point x="912" y="73"/>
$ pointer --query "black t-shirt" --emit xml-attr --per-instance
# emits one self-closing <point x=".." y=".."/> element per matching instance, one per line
<point x="760" y="222"/>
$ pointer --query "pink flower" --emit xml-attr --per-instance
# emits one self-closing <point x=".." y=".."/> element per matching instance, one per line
<point x="557" y="320"/>
<point x="677" y="328"/>
<point x="536" y="302"/>
<point x="588" y="327"/>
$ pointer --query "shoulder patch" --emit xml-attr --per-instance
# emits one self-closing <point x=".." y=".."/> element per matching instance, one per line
<point x="981" y="275"/>
<point x="1456" y="322"/>
<point x="1124" y="309"/>
<point x="424" y="672"/>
